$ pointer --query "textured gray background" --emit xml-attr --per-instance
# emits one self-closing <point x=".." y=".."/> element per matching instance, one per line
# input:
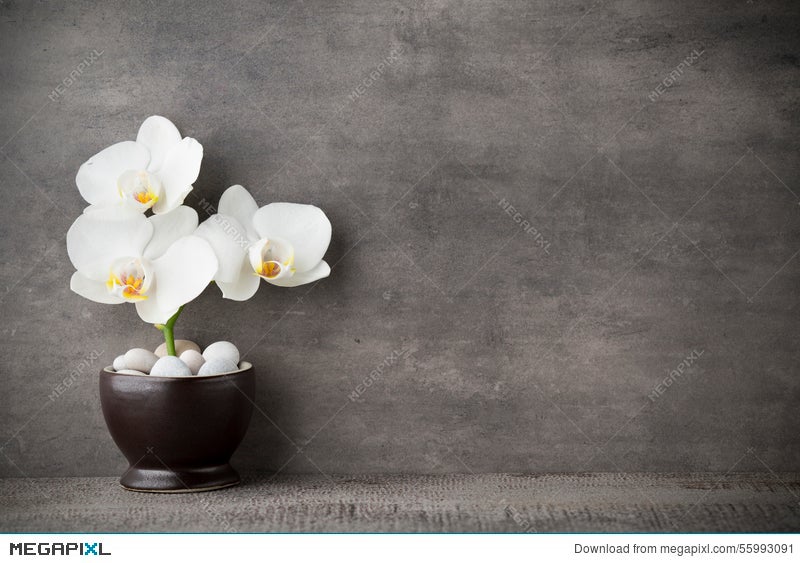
<point x="596" y="502"/>
<point x="672" y="227"/>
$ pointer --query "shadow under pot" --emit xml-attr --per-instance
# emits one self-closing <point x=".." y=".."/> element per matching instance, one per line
<point x="178" y="433"/>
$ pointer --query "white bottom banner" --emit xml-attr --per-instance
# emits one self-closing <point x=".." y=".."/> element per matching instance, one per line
<point x="387" y="548"/>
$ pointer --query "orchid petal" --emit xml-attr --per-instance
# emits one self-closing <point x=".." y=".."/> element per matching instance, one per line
<point x="150" y="312"/>
<point x="122" y="209"/>
<point x="229" y="240"/>
<point x="95" y="242"/>
<point x="97" y="177"/>
<point x="159" y="135"/>
<point x="169" y="227"/>
<point x="244" y="287"/>
<point x="305" y="227"/>
<point x="177" y="173"/>
<point x="93" y="290"/>
<point x="321" y="270"/>
<point x="183" y="272"/>
<point x="237" y="202"/>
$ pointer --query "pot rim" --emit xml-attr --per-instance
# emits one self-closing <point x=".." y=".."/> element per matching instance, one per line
<point x="109" y="370"/>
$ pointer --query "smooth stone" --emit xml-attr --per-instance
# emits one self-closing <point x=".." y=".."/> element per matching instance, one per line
<point x="140" y="359"/>
<point x="217" y="366"/>
<point x="170" y="366"/>
<point x="119" y="363"/>
<point x="180" y="347"/>
<point x="193" y="359"/>
<point x="222" y="350"/>
<point x="131" y="372"/>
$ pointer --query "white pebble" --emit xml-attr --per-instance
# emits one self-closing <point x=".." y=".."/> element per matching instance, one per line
<point x="119" y="363"/>
<point x="180" y="347"/>
<point x="193" y="359"/>
<point x="222" y="350"/>
<point x="170" y="366"/>
<point x="131" y="372"/>
<point x="140" y="359"/>
<point x="217" y="366"/>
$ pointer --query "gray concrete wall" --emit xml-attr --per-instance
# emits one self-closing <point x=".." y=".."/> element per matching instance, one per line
<point x="646" y="320"/>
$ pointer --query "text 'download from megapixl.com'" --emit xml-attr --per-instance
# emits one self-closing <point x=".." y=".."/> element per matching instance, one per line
<point x="401" y="548"/>
<point x="685" y="550"/>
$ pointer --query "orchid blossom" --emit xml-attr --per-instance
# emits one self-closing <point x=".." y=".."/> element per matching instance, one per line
<point x="155" y="171"/>
<point x="162" y="261"/>
<point x="154" y="262"/>
<point x="281" y="243"/>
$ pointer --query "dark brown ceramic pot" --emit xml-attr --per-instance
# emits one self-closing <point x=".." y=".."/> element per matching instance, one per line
<point x="178" y="433"/>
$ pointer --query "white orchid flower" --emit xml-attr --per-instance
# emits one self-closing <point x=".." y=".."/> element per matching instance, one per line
<point x="154" y="262"/>
<point x="155" y="171"/>
<point x="281" y="243"/>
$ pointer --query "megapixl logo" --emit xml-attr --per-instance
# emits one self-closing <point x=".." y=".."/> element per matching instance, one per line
<point x="83" y="548"/>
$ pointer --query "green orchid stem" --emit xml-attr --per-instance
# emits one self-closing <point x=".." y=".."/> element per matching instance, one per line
<point x="167" y="330"/>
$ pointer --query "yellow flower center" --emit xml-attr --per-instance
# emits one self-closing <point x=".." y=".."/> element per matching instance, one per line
<point x="270" y="269"/>
<point x="147" y="197"/>
<point x="140" y="186"/>
<point x="272" y="259"/>
<point x="130" y="286"/>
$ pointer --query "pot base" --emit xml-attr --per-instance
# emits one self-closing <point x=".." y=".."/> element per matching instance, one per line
<point x="185" y="481"/>
<point x="178" y="433"/>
